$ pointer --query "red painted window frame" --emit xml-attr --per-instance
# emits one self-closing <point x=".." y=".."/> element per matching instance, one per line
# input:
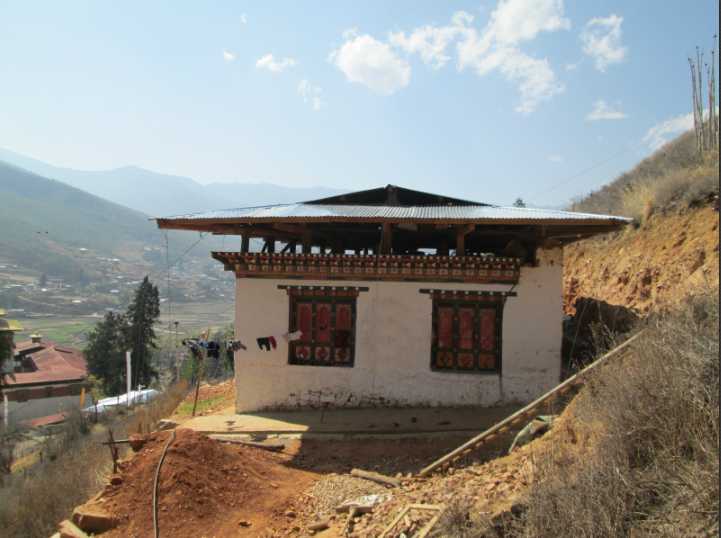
<point x="454" y="354"/>
<point x="322" y="298"/>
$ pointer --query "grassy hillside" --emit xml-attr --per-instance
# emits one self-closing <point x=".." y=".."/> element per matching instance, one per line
<point x="675" y="250"/>
<point x="46" y="223"/>
<point x="674" y="177"/>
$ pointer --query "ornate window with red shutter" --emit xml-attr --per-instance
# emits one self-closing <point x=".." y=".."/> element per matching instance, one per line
<point x="466" y="332"/>
<point x="326" y="318"/>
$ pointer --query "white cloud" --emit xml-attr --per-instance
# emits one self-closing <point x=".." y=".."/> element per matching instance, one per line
<point x="555" y="158"/>
<point x="660" y="133"/>
<point x="431" y="42"/>
<point x="311" y="94"/>
<point x="228" y="56"/>
<point x="243" y="18"/>
<point x="601" y="39"/>
<point x="365" y="60"/>
<point x="603" y="111"/>
<point x="497" y="48"/>
<point x="274" y="66"/>
<point x="515" y="21"/>
<point x="571" y="66"/>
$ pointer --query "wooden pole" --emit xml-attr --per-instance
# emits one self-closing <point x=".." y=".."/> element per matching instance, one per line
<point x="128" y="377"/>
<point x="504" y="425"/>
<point x="245" y="243"/>
<point x="197" y="385"/>
<point x="113" y="450"/>
<point x="306" y="240"/>
<point x="386" y="238"/>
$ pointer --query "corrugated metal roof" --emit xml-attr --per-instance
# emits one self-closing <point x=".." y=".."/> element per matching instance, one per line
<point x="324" y="212"/>
<point x="54" y="364"/>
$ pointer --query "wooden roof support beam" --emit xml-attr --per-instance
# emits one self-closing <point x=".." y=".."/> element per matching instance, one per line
<point x="245" y="243"/>
<point x="461" y="233"/>
<point x="386" y="245"/>
<point x="307" y="240"/>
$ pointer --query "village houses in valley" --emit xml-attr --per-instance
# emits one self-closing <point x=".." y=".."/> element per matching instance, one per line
<point x="395" y="297"/>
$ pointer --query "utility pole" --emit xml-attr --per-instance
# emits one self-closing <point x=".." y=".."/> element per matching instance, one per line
<point x="128" y="377"/>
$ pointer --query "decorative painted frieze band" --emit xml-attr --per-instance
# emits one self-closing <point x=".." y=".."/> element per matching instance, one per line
<point x="476" y="269"/>
<point x="328" y="291"/>
<point x="469" y="295"/>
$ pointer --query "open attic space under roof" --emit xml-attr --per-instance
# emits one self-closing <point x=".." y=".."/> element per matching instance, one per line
<point x="395" y="220"/>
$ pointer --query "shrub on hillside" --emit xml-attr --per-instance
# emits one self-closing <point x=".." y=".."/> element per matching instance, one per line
<point x="655" y="464"/>
<point x="74" y="464"/>
<point x="675" y="175"/>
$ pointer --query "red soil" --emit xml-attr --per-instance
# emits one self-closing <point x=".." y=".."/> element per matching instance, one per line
<point x="668" y="258"/>
<point x="206" y="489"/>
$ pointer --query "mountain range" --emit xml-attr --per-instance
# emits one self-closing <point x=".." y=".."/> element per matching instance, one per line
<point x="50" y="216"/>
<point x="157" y="194"/>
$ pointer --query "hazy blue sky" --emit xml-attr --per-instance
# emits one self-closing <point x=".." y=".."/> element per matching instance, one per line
<point x="486" y="100"/>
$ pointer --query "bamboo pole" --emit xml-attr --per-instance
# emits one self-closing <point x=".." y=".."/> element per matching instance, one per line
<point x="699" y="103"/>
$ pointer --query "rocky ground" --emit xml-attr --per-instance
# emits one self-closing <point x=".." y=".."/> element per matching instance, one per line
<point x="667" y="258"/>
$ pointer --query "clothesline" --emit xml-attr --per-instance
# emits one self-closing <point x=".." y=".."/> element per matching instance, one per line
<point x="213" y="347"/>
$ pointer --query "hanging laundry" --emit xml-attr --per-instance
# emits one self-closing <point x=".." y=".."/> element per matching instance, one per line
<point x="213" y="350"/>
<point x="263" y="343"/>
<point x="292" y="337"/>
<point x="194" y="347"/>
<point x="273" y="342"/>
<point x="235" y="345"/>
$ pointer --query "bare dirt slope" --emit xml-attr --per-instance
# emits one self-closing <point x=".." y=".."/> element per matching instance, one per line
<point x="668" y="258"/>
<point x="206" y="489"/>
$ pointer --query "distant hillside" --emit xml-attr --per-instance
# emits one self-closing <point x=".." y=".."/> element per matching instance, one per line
<point x="162" y="195"/>
<point x="675" y="176"/>
<point x="45" y="223"/>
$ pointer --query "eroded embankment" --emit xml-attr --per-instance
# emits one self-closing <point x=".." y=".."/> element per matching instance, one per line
<point x="668" y="258"/>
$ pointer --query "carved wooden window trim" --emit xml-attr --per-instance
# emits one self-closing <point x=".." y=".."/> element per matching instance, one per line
<point x="467" y="332"/>
<point x="332" y="344"/>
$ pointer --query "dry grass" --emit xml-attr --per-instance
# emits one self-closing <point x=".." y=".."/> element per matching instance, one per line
<point x="146" y="418"/>
<point x="460" y="520"/>
<point x="654" y="469"/>
<point x="674" y="177"/>
<point x="73" y="466"/>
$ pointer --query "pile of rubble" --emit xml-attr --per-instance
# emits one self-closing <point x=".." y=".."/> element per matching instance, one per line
<point x="488" y="490"/>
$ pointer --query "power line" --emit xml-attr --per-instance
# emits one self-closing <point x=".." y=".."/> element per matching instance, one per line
<point x="584" y="171"/>
<point x="178" y="259"/>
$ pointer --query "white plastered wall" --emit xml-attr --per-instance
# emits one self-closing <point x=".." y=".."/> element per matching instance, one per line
<point x="393" y="347"/>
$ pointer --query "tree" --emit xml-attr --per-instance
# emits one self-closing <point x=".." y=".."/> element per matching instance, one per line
<point x="519" y="203"/>
<point x="105" y="353"/>
<point x="143" y="312"/>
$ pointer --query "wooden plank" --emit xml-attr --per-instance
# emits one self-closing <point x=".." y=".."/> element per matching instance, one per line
<point x="407" y="508"/>
<point x="504" y="424"/>
<point x="376" y="477"/>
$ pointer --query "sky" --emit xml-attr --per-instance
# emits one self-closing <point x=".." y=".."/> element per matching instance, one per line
<point x="540" y="99"/>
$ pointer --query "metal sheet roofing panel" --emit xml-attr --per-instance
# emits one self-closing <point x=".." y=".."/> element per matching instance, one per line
<point x="324" y="212"/>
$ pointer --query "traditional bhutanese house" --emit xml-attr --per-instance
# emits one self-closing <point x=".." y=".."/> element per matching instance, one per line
<point x="401" y="298"/>
<point x="46" y="380"/>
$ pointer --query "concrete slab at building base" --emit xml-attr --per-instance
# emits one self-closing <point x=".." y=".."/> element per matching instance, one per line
<point x="333" y="424"/>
